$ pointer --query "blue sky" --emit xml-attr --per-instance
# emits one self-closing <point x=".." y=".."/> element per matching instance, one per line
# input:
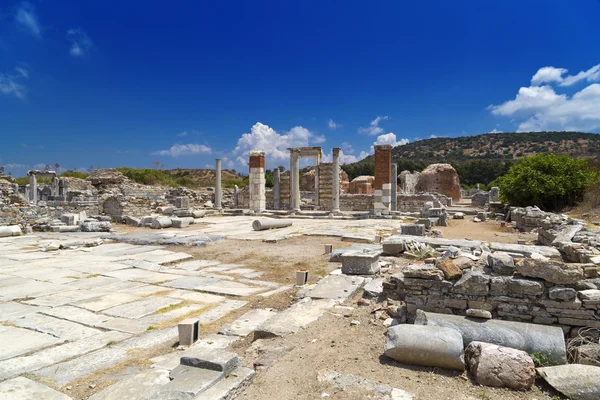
<point x="118" y="83"/>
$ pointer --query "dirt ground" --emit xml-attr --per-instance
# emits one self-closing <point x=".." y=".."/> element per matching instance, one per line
<point x="331" y="343"/>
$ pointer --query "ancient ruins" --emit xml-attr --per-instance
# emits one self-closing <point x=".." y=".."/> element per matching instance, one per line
<point x="113" y="289"/>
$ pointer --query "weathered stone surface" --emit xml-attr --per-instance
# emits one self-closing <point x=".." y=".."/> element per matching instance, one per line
<point x="562" y="293"/>
<point x="591" y="296"/>
<point x="291" y="320"/>
<point x="187" y="383"/>
<point x="394" y="245"/>
<point x="588" y="354"/>
<point x="141" y="308"/>
<point x="96" y="226"/>
<point x="478" y="313"/>
<point x="247" y="323"/>
<point x="498" y="366"/>
<point x="501" y="263"/>
<point x="413" y="229"/>
<point x="440" y="178"/>
<point x="336" y="287"/>
<point x="211" y="359"/>
<point x="428" y="346"/>
<point x="531" y="338"/>
<point x="473" y="283"/>
<point x="65" y="330"/>
<point x="374" y="288"/>
<point x="576" y="381"/>
<point x="450" y="269"/>
<point x="22" y="388"/>
<point x="550" y="270"/>
<point x="230" y="386"/>
<point x="524" y="287"/>
<point x="360" y="263"/>
<point x="139" y="386"/>
<point x="423" y="271"/>
<point x="161" y="223"/>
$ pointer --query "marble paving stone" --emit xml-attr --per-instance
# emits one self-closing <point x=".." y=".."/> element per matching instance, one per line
<point x="68" y="371"/>
<point x="132" y="249"/>
<point x="190" y="282"/>
<point x="146" y="265"/>
<point x="106" y="301"/>
<point x="275" y="291"/>
<point x="22" y="341"/>
<point x="219" y="311"/>
<point x="124" y="325"/>
<point x="52" y="355"/>
<point x="141" y="308"/>
<point x="79" y="315"/>
<point x="138" y="386"/>
<point x="229" y="288"/>
<point x="59" y="299"/>
<point x="175" y="313"/>
<point x="150" y="339"/>
<point x="30" y="288"/>
<point x="240" y="271"/>
<point x="13" y="309"/>
<point x="148" y="290"/>
<point x="232" y="384"/>
<point x="28" y="256"/>
<point x="253" y="275"/>
<point x="220" y="268"/>
<point x="245" y="325"/>
<point x="59" y="328"/>
<point x="99" y="267"/>
<point x="195" y="264"/>
<point x="51" y="274"/>
<point x="93" y="282"/>
<point x="260" y="283"/>
<point x="25" y="389"/>
<point x="195" y="296"/>
<point x="135" y="274"/>
<point x="10" y="280"/>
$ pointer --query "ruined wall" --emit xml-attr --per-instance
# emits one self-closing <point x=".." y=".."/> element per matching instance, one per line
<point x="408" y="181"/>
<point x="326" y="186"/>
<point x="356" y="202"/>
<point x="361" y="185"/>
<point x="514" y="298"/>
<point x="480" y="199"/>
<point x="440" y="178"/>
<point x="284" y="190"/>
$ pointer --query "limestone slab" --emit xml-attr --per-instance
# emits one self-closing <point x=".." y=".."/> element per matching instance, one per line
<point x="291" y="320"/>
<point x="190" y="282"/>
<point x="187" y="383"/>
<point x="135" y="274"/>
<point x="230" y="386"/>
<point x="576" y="381"/>
<point x="247" y="323"/>
<point x="59" y="328"/>
<point x="29" y="288"/>
<point x="175" y="313"/>
<point x="196" y="264"/>
<point x="137" y="387"/>
<point x="124" y="325"/>
<point x="275" y="291"/>
<point x="22" y="341"/>
<point x="141" y="308"/>
<point x="220" y="310"/>
<point x="76" y="314"/>
<point x="52" y="355"/>
<point x="229" y="288"/>
<point x="68" y="371"/>
<point x="14" y="309"/>
<point x="195" y="296"/>
<point x="106" y="301"/>
<point x="150" y="339"/>
<point x="59" y="299"/>
<point x="336" y="287"/>
<point x="25" y="389"/>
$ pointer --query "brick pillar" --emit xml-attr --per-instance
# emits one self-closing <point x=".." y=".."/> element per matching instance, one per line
<point x="257" y="181"/>
<point x="382" y="187"/>
<point x="276" y="188"/>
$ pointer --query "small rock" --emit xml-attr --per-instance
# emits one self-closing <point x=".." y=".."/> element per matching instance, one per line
<point x="478" y="313"/>
<point x="450" y="270"/>
<point x="354" y="323"/>
<point x="93" y="385"/>
<point x="458" y="215"/>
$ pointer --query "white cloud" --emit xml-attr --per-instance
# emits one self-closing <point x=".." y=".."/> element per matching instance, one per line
<point x="182" y="134"/>
<point x="26" y="16"/>
<point x="14" y="166"/>
<point x="40" y="166"/>
<point x="540" y="108"/>
<point x="552" y="74"/>
<point x="495" y="131"/>
<point x="433" y="136"/>
<point x="10" y="84"/>
<point x="390" y="138"/>
<point x="275" y="145"/>
<point x="80" y="42"/>
<point x="332" y="125"/>
<point x="373" y="128"/>
<point x="184" y="150"/>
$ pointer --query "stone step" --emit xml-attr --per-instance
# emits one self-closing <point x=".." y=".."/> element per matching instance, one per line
<point x="214" y="360"/>
<point x="336" y="287"/>
<point x="187" y="383"/>
<point x="230" y="386"/>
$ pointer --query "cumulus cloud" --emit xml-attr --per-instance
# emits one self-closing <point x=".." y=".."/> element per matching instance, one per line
<point x="11" y="83"/>
<point x="373" y="128"/>
<point x="263" y="137"/>
<point x="178" y="150"/>
<point x="552" y="74"/>
<point x="333" y="125"/>
<point x="27" y="18"/>
<point x="541" y="108"/>
<point x="14" y="166"/>
<point x="182" y="134"/>
<point x="390" y="138"/>
<point x="80" y="42"/>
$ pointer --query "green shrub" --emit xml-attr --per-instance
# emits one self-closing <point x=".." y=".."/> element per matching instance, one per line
<point x="74" y="174"/>
<point x="549" y="181"/>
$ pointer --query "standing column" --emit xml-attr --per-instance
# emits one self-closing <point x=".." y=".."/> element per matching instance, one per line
<point x="235" y="196"/>
<point x="295" y="179"/>
<point x="317" y="196"/>
<point x="258" y="201"/>
<point x="276" y="188"/>
<point x="382" y="187"/>
<point x="394" y="203"/>
<point x="33" y="188"/>
<point x="218" y="189"/>
<point x="335" y="183"/>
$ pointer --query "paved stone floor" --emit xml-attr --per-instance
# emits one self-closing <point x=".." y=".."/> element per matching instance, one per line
<point x="66" y="314"/>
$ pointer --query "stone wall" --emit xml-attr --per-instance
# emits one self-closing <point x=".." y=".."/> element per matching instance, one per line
<point x="414" y="202"/>
<point x="356" y="202"/>
<point x="440" y="178"/>
<point x="285" y="191"/>
<point x="326" y="186"/>
<point x="540" y="291"/>
<point x="408" y="181"/>
<point x="361" y="185"/>
<point x="480" y="199"/>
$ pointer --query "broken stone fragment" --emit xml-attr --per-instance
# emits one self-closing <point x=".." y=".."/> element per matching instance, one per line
<point x="499" y="366"/>
<point x="550" y="270"/>
<point x="423" y="271"/>
<point x="449" y="268"/>
<point x="478" y="313"/>
<point x="576" y="381"/>
<point x="501" y="263"/>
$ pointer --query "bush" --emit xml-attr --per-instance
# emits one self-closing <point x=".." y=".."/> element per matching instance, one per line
<point x="549" y="181"/>
<point x="74" y="174"/>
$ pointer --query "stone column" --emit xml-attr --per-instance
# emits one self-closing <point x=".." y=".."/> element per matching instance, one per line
<point x="236" y="190"/>
<point x="335" y="182"/>
<point x="258" y="201"/>
<point x="276" y="189"/>
<point x="295" y="179"/>
<point x="382" y="187"/>
<point x="218" y="188"/>
<point x="394" y="202"/>
<point x="33" y="189"/>
<point x="317" y="163"/>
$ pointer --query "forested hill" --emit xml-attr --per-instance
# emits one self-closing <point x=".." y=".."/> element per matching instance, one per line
<point x="482" y="158"/>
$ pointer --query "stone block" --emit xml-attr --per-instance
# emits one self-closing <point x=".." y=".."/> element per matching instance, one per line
<point x="394" y="246"/>
<point x="478" y="313"/>
<point x="26" y="389"/>
<point x="360" y="263"/>
<point x="562" y="293"/>
<point x="423" y="271"/>
<point x="210" y="359"/>
<point x="181" y="222"/>
<point x="501" y="263"/>
<point x="188" y="331"/>
<point x="413" y="229"/>
<point x="550" y="270"/>
<point x="472" y="283"/>
<point x="161" y="223"/>
<point x="524" y="287"/>
<point x="450" y="269"/>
